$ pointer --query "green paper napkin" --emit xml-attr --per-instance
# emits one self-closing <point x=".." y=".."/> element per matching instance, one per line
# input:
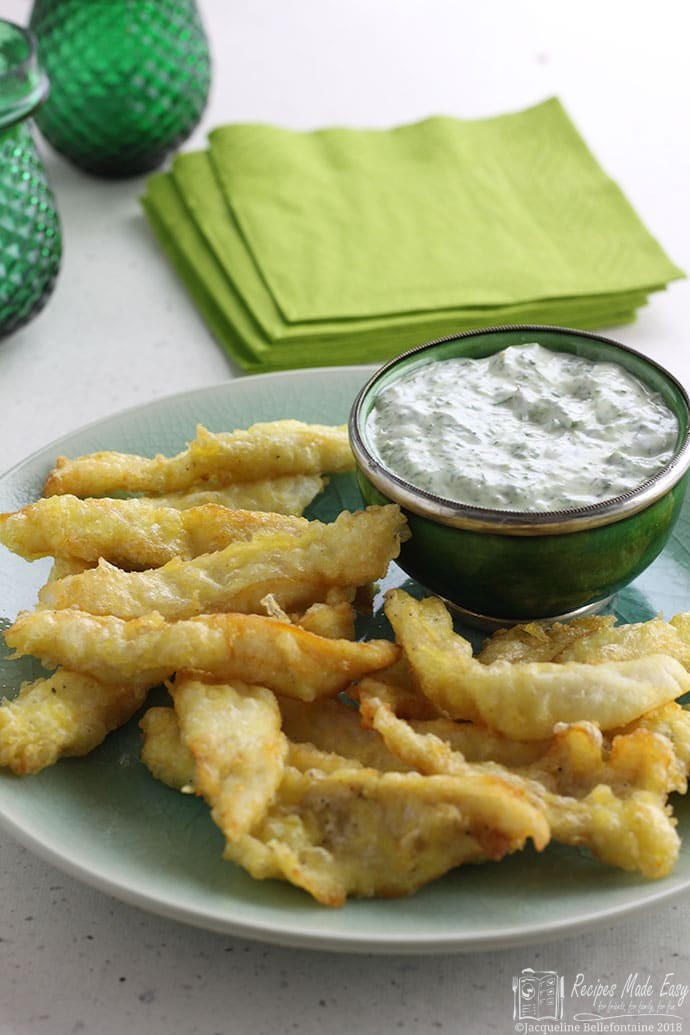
<point x="231" y="273"/>
<point x="232" y="323"/>
<point x="200" y="193"/>
<point x="435" y="215"/>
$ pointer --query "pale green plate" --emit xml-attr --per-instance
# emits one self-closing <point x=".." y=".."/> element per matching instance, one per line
<point x="106" y="821"/>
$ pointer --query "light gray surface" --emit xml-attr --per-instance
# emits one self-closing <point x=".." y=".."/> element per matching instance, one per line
<point x="119" y="331"/>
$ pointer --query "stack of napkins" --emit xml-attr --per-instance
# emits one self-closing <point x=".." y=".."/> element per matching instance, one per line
<point x="348" y="246"/>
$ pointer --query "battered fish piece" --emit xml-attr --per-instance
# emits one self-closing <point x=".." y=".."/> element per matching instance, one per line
<point x="525" y="700"/>
<point x="297" y="567"/>
<point x="64" y="566"/>
<point x="163" y="751"/>
<point x="337" y="827"/>
<point x="398" y="687"/>
<point x="287" y="494"/>
<point x="623" y="642"/>
<point x="233" y="733"/>
<point x="132" y="534"/>
<point x="476" y="743"/>
<point x="334" y="727"/>
<point x="148" y="650"/>
<point x="539" y="642"/>
<point x="326" y="727"/>
<point x="66" y="713"/>
<point x="480" y="744"/>
<point x="267" y="450"/>
<point x="613" y="803"/>
<point x="334" y="620"/>
<point x="673" y="722"/>
<point x="347" y="830"/>
<point x="592" y="639"/>
<point x="335" y="617"/>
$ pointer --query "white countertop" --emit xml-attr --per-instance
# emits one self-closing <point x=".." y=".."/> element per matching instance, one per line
<point x="119" y="331"/>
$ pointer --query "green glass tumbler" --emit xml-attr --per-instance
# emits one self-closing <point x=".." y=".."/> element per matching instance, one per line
<point x="129" y="80"/>
<point x="30" y="237"/>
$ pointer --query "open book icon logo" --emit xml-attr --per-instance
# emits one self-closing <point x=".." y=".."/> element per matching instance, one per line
<point x="538" y="995"/>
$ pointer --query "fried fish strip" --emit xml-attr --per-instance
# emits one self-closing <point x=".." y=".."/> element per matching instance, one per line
<point x="64" y="566"/>
<point x="623" y="642"/>
<point x="525" y="700"/>
<point x="476" y="743"/>
<point x="148" y="650"/>
<point x="233" y="732"/>
<point x="287" y="494"/>
<point x="335" y="619"/>
<point x="298" y="568"/>
<point x="132" y="534"/>
<point x="350" y="830"/>
<point x="66" y="713"/>
<point x="268" y="450"/>
<point x="337" y="827"/>
<point x="397" y="685"/>
<point x="163" y="751"/>
<point x="334" y="727"/>
<point x="539" y="642"/>
<point x="318" y="732"/>
<point x="614" y="805"/>
<point x="673" y="722"/>
<point x="480" y="744"/>
<point x="593" y="639"/>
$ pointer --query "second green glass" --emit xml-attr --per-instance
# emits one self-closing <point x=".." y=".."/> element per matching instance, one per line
<point x="30" y="237"/>
<point x="129" y="80"/>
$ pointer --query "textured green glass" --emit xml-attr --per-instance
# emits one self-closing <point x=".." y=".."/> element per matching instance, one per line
<point x="30" y="238"/>
<point x="129" y="79"/>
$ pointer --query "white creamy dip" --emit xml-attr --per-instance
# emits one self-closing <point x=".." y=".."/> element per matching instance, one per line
<point x="526" y="429"/>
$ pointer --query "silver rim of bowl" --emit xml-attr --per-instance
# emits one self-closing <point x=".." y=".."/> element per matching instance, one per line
<point x="486" y="623"/>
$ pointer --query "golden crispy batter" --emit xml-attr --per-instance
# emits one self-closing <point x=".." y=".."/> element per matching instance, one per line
<point x="525" y="700"/>
<point x="681" y="623"/>
<point x="334" y="727"/>
<point x="335" y="617"/>
<point x="350" y="830"/>
<point x="287" y="494"/>
<point x="398" y="686"/>
<point x="269" y="450"/>
<point x="671" y="721"/>
<point x="64" y="714"/>
<point x="147" y="650"/>
<point x="479" y="743"/>
<point x="592" y="639"/>
<point x="132" y="534"/>
<point x="623" y="642"/>
<point x="337" y="827"/>
<point x="297" y="567"/>
<point x="233" y="732"/>
<point x="537" y="641"/>
<point x="321" y="734"/>
<point x="475" y="742"/>
<point x="64" y="566"/>
<point x="612" y="802"/>
<point x="163" y="751"/>
<point x="333" y="620"/>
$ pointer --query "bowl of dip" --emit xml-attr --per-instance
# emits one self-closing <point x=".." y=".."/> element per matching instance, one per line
<point x="541" y="469"/>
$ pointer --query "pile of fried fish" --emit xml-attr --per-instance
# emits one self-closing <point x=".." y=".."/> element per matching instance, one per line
<point x="347" y="767"/>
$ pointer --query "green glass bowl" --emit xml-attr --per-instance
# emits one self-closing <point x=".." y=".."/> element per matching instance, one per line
<point x="500" y="567"/>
